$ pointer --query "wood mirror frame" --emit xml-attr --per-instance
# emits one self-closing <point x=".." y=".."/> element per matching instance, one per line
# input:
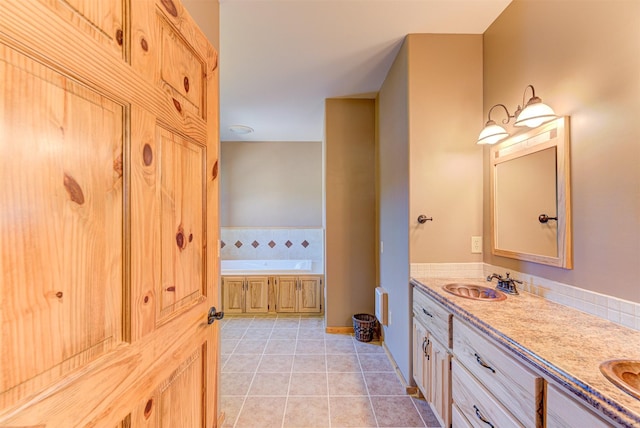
<point x="522" y="193"/>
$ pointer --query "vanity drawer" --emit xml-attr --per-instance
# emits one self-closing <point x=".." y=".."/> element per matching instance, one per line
<point x="433" y="316"/>
<point x="563" y="411"/>
<point x="508" y="380"/>
<point x="476" y="404"/>
<point x="457" y="418"/>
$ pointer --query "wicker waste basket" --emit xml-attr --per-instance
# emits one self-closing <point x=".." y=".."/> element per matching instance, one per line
<point x="364" y="326"/>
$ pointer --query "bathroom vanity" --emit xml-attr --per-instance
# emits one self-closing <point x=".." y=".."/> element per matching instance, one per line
<point x="522" y="361"/>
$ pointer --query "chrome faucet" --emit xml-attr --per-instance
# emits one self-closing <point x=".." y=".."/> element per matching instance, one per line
<point x="508" y="285"/>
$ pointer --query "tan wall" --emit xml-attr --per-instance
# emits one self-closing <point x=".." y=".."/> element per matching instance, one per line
<point x="429" y="108"/>
<point x="583" y="59"/>
<point x="445" y="164"/>
<point x="350" y="261"/>
<point x="206" y="13"/>
<point x="273" y="184"/>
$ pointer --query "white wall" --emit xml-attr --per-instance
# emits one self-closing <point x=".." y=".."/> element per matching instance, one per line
<point x="272" y="184"/>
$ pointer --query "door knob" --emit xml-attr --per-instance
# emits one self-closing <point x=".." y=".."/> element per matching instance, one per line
<point x="213" y="315"/>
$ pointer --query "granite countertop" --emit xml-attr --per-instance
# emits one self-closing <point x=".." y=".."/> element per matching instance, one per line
<point x="565" y="344"/>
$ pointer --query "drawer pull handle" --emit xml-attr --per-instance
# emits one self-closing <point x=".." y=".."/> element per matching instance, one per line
<point x="483" y="364"/>
<point x="424" y="346"/>
<point x="482" y="418"/>
<point x="426" y="313"/>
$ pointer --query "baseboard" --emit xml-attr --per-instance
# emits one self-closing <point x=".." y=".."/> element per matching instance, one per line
<point x="339" y="330"/>
<point x="410" y="390"/>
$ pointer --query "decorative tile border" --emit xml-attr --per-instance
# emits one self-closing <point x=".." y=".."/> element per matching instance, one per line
<point x="239" y="243"/>
<point x="611" y="308"/>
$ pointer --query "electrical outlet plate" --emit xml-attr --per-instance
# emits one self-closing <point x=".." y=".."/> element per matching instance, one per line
<point x="476" y="244"/>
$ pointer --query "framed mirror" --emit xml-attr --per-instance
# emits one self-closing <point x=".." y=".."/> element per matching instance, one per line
<point x="530" y="195"/>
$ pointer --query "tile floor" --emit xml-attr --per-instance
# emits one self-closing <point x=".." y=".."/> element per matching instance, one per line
<point x="287" y="372"/>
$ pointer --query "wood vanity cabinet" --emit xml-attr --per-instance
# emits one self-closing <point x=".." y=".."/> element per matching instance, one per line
<point x="491" y="387"/>
<point x="301" y="294"/>
<point x="564" y="411"/>
<point x="245" y="294"/>
<point x="431" y="356"/>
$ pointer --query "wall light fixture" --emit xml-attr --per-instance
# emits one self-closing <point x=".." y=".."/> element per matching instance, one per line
<point x="534" y="113"/>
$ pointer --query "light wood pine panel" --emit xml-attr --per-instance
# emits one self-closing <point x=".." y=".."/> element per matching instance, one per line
<point x="104" y="389"/>
<point x="102" y="20"/>
<point x="309" y="294"/>
<point x="440" y="379"/>
<point x="257" y="297"/>
<point x="287" y="293"/>
<point x="182" y="195"/>
<point x="62" y="261"/>
<point x="419" y="358"/>
<point x="233" y="294"/>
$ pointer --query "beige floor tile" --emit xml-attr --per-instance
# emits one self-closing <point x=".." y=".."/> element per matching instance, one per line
<point x="307" y="412"/>
<point x="369" y="348"/>
<point x="235" y="383"/>
<point x="311" y="333"/>
<point x="396" y="412"/>
<point x="247" y="363"/>
<point x="339" y="337"/>
<point x="339" y="346"/>
<point x="425" y="411"/>
<point x="386" y="383"/>
<point x="310" y="346"/>
<point x="250" y="346"/>
<point x="287" y="323"/>
<point x="262" y="323"/>
<point x="275" y="364"/>
<point x="231" y="406"/>
<point x="312" y="323"/>
<point x="346" y="384"/>
<point x="308" y="384"/>
<point x="262" y="412"/>
<point x="228" y="345"/>
<point x="309" y="363"/>
<point x="342" y="363"/>
<point x="280" y="346"/>
<point x="271" y="384"/>
<point x="375" y="363"/>
<point x="351" y="412"/>
<point x="284" y="333"/>
<point x="232" y="333"/>
<point x="238" y="323"/>
<point x="257" y="334"/>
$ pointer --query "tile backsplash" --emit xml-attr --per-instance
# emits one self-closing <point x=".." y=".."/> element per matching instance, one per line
<point x="240" y="243"/>
<point x="617" y="310"/>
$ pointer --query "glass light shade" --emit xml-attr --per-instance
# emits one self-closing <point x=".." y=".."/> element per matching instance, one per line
<point x="492" y="133"/>
<point x="534" y="114"/>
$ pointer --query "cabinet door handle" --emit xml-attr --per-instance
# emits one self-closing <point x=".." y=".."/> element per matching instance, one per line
<point x="424" y="346"/>
<point x="426" y="313"/>
<point x="482" y="418"/>
<point x="483" y="364"/>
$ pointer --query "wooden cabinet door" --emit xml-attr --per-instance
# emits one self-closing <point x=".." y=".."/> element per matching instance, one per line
<point x="257" y="294"/>
<point x="287" y="293"/>
<point x="108" y="209"/>
<point x="309" y="294"/>
<point x="440" y="380"/>
<point x="233" y="293"/>
<point x="420" y="349"/>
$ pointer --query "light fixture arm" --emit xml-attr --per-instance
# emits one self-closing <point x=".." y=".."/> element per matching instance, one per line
<point x="505" y="121"/>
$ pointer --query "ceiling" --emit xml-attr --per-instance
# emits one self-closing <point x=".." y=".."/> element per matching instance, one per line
<point x="280" y="59"/>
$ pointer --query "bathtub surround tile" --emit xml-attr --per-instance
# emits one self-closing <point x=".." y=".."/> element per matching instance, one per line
<point x="307" y="412"/>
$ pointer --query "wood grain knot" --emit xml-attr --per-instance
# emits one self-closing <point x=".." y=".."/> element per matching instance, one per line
<point x="214" y="172"/>
<point x="147" y="408"/>
<point x="172" y="288"/>
<point x="146" y="299"/>
<point x="176" y="103"/>
<point x="144" y="45"/>
<point x="117" y="165"/>
<point x="186" y="83"/>
<point x="171" y="7"/>
<point x="119" y="36"/>
<point x="180" y="240"/>
<point x="59" y="294"/>
<point x="147" y="154"/>
<point x="190" y="237"/>
<point x="74" y="189"/>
